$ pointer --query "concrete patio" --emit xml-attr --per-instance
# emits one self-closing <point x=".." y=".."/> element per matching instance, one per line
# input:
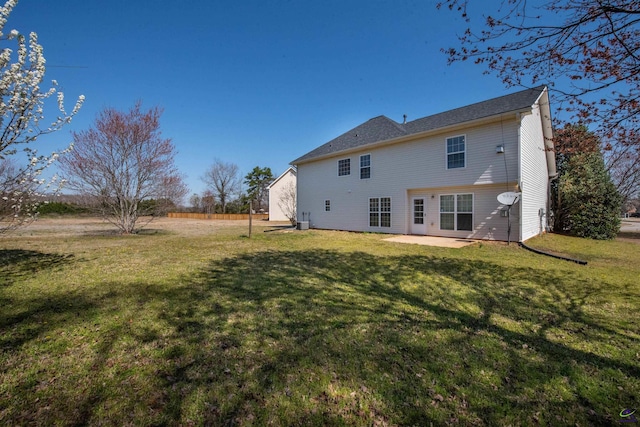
<point x="443" y="242"/>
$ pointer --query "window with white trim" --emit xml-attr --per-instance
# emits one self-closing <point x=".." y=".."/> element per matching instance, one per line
<point x="385" y="212"/>
<point x="456" y="212"/>
<point x="327" y="205"/>
<point x="374" y="212"/>
<point x="456" y="152"/>
<point x="380" y="212"/>
<point x="344" y="167"/>
<point x="365" y="166"/>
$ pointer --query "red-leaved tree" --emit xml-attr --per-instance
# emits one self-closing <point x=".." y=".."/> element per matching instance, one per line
<point x="587" y="51"/>
<point x="122" y="161"/>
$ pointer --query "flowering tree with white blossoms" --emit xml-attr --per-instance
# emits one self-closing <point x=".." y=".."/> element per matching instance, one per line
<point x="22" y="67"/>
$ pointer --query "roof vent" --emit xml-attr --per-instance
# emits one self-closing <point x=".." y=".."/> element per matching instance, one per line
<point x="405" y="119"/>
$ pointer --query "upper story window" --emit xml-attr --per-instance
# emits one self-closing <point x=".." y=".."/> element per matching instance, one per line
<point x="365" y="166"/>
<point x="344" y="167"/>
<point x="327" y="205"/>
<point x="456" y="152"/>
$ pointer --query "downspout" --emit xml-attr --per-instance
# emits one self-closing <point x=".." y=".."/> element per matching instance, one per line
<point x="538" y="251"/>
<point x="519" y="117"/>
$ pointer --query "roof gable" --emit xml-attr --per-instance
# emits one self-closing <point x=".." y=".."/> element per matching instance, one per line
<point x="291" y="169"/>
<point x="382" y="128"/>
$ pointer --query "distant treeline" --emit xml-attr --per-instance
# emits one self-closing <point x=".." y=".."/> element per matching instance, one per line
<point x="70" y="204"/>
<point x="61" y="208"/>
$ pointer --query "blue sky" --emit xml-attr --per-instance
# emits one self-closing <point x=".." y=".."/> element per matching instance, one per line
<point x="255" y="83"/>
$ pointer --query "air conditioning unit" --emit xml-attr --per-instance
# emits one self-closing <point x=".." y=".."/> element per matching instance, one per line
<point x="303" y="225"/>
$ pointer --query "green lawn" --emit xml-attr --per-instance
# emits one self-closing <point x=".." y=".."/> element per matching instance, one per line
<point x="314" y="328"/>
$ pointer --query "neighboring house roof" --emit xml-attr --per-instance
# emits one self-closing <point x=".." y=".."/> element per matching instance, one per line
<point x="382" y="128"/>
<point x="291" y="169"/>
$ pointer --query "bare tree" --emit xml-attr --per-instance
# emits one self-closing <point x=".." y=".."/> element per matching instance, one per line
<point x="224" y="181"/>
<point x="288" y="202"/>
<point x="171" y="194"/>
<point x="632" y="206"/>
<point x="623" y="163"/>
<point x="122" y="161"/>
<point x="208" y="202"/>
<point x="21" y="115"/>
<point x="196" y="202"/>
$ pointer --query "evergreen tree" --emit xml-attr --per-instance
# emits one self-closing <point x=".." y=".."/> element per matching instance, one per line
<point x="586" y="202"/>
<point x="257" y="182"/>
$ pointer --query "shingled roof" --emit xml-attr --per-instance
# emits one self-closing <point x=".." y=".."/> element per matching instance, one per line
<point x="382" y="128"/>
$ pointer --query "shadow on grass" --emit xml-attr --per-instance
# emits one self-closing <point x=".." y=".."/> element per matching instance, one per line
<point x="307" y="338"/>
<point x="629" y="235"/>
<point x="42" y="311"/>
<point x="17" y="262"/>
<point x="115" y="232"/>
<point x="323" y="337"/>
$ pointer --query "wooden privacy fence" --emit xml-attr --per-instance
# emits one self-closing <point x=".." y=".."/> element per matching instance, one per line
<point x="190" y="215"/>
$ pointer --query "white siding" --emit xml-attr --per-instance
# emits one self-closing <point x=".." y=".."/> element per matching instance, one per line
<point x="534" y="177"/>
<point x="276" y="191"/>
<point x="405" y="168"/>
<point x="488" y="223"/>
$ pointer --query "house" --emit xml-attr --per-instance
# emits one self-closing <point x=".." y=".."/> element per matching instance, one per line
<point x="282" y="196"/>
<point x="439" y="175"/>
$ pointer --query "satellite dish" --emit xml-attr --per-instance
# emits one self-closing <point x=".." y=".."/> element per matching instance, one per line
<point x="509" y="198"/>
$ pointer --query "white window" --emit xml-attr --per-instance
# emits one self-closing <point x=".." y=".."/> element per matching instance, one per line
<point x="380" y="212"/>
<point x="456" y="152"/>
<point x="385" y="212"/>
<point x="365" y="166"/>
<point x="374" y="212"/>
<point x="327" y="205"/>
<point x="344" y="167"/>
<point x="456" y="212"/>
